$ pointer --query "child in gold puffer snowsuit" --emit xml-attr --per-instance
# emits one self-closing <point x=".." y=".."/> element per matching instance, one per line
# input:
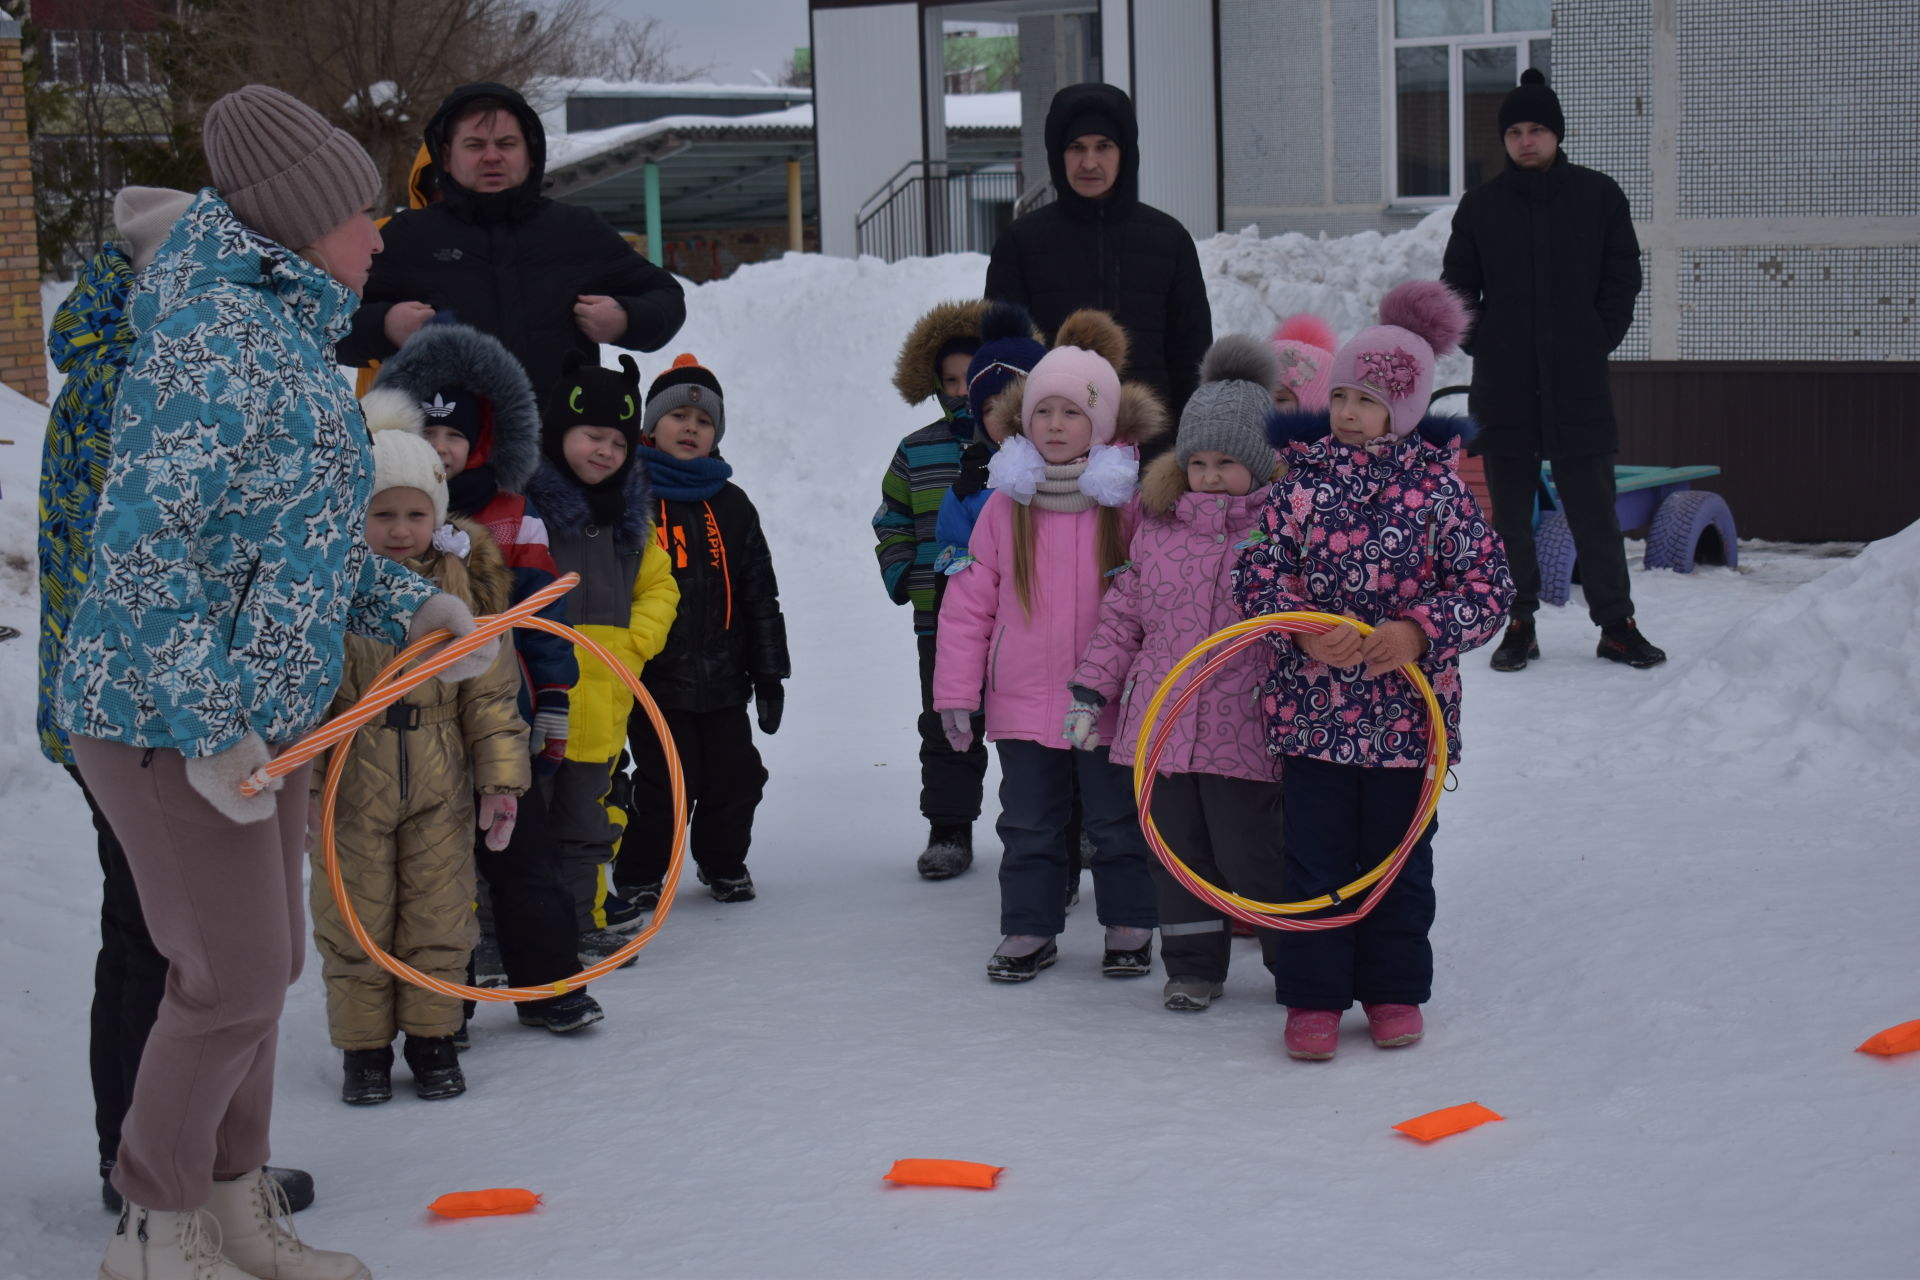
<point x="407" y="804"/>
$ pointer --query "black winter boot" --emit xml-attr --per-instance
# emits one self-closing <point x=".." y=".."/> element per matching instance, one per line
<point x="369" y="1076"/>
<point x="1517" y="647"/>
<point x="728" y="888"/>
<point x="949" y="851"/>
<point x="1622" y="642"/>
<point x="436" y="1067"/>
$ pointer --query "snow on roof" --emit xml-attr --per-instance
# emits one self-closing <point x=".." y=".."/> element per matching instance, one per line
<point x="964" y="111"/>
<point x="594" y="87"/>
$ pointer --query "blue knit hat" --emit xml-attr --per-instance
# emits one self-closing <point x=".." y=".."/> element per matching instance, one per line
<point x="1008" y="350"/>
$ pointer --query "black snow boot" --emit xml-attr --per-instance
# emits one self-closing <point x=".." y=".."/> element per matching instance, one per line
<point x="1622" y="642"/>
<point x="562" y="1015"/>
<point x="728" y="888"/>
<point x="436" y="1067"/>
<point x="369" y="1076"/>
<point x="1517" y="648"/>
<point x="1025" y="967"/>
<point x="949" y="851"/>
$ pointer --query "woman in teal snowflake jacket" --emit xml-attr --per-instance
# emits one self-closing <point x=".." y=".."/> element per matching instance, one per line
<point x="229" y="562"/>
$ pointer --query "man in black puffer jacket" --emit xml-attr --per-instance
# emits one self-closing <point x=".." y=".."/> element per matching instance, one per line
<point x="1546" y="256"/>
<point x="1096" y="245"/>
<point x="542" y="277"/>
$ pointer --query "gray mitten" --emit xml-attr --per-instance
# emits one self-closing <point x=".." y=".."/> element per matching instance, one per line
<point x="450" y="613"/>
<point x="218" y="777"/>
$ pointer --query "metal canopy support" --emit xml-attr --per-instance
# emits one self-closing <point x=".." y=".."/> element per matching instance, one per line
<point x="654" y="254"/>
<point x="796" y="224"/>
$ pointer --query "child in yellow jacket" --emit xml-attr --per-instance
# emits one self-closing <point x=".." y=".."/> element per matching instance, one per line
<point x="417" y="781"/>
<point x="598" y="510"/>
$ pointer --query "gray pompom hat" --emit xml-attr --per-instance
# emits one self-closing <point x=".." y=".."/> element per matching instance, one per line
<point x="1228" y="412"/>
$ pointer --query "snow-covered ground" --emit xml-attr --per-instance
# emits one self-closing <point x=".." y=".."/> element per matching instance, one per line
<point x="1671" y="904"/>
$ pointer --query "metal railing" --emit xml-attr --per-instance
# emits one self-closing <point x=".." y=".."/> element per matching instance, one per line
<point x="938" y="206"/>
<point x="1038" y="196"/>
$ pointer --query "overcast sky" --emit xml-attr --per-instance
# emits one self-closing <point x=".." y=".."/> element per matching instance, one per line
<point x="737" y="36"/>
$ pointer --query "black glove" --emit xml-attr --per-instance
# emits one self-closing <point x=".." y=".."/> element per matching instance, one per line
<point x="768" y="700"/>
<point x="973" y="470"/>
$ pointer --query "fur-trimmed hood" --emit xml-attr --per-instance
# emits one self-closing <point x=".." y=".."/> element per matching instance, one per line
<point x="914" y="374"/>
<point x="1143" y="415"/>
<point x="445" y="355"/>
<point x="562" y="503"/>
<point x="1164" y="483"/>
<point x="481" y="577"/>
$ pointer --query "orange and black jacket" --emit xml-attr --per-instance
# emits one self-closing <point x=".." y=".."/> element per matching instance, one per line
<point x="729" y="637"/>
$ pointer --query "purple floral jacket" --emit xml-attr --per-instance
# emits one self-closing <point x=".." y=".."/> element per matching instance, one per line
<point x="1378" y="533"/>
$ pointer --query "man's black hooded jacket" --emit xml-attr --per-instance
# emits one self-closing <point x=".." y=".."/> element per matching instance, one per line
<point x="511" y="263"/>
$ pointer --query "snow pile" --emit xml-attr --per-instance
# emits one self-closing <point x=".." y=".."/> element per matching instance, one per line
<point x="1830" y="666"/>
<point x="1253" y="282"/>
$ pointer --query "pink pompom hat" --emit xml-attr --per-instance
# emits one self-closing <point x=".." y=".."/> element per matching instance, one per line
<point x="1393" y="362"/>
<point x="1304" y="345"/>
<point x="1081" y="376"/>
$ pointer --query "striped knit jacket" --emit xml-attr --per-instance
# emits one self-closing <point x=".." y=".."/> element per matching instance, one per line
<point x="924" y="467"/>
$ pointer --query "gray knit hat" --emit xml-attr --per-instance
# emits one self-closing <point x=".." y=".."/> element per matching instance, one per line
<point x="687" y="383"/>
<point x="283" y="169"/>
<point x="1228" y="413"/>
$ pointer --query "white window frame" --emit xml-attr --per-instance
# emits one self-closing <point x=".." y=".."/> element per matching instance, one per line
<point x="1486" y="38"/>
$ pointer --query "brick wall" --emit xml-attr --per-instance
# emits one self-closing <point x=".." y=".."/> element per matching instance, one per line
<point x="23" y="361"/>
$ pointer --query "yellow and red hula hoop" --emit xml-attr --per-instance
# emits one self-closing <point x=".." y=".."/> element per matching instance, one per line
<point x="1151" y="743"/>
<point x="388" y="689"/>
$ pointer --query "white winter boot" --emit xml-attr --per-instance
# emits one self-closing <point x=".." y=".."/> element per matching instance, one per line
<point x="152" y="1244"/>
<point x="256" y="1234"/>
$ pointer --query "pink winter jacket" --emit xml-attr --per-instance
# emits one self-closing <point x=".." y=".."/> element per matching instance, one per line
<point x="987" y="643"/>
<point x="1177" y="591"/>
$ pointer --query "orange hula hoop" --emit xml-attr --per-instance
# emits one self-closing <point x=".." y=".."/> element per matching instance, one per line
<point x="388" y="688"/>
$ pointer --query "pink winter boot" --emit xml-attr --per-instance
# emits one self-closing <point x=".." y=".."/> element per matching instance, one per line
<point x="1312" y="1034"/>
<point x="1393" y="1025"/>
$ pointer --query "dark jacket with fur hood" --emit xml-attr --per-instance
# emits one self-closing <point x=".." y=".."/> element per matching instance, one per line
<point x="626" y="599"/>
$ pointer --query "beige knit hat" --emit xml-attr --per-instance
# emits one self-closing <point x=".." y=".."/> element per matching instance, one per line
<point x="144" y="217"/>
<point x="283" y="169"/>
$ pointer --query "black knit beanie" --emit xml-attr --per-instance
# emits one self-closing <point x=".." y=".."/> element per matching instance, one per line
<point x="1532" y="101"/>
<point x="589" y="396"/>
<point x="456" y="407"/>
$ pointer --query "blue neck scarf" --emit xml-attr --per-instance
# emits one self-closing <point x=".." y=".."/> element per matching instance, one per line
<point x="693" y="480"/>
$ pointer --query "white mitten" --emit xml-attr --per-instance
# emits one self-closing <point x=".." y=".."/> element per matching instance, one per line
<point x="450" y="613"/>
<point x="218" y="777"/>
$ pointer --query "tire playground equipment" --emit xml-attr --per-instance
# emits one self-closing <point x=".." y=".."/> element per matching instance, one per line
<point x="388" y="688"/>
<point x="1685" y="526"/>
<point x="1151" y="742"/>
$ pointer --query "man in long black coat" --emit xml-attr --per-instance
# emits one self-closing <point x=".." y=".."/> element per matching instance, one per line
<point x="1545" y="254"/>
<point x="1096" y="245"/>
<point x="541" y="276"/>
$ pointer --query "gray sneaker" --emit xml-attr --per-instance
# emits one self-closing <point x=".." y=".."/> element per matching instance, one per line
<point x="1191" y="995"/>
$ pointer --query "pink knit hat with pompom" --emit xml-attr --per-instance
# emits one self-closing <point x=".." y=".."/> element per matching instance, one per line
<point x="1304" y="345"/>
<point x="1081" y="376"/>
<point x="1420" y="321"/>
